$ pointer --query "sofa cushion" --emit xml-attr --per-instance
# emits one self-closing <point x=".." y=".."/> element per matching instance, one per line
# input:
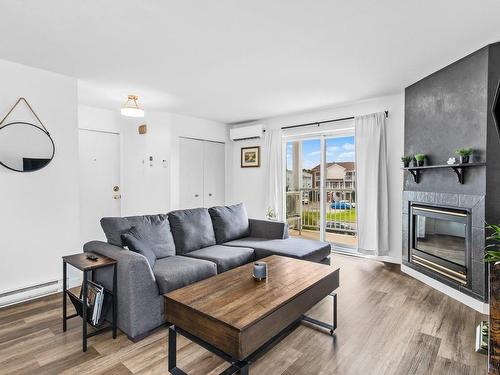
<point x="192" y="229"/>
<point x="225" y="257"/>
<point x="300" y="248"/>
<point x="230" y="222"/>
<point x="177" y="271"/>
<point x="137" y="243"/>
<point x="154" y="228"/>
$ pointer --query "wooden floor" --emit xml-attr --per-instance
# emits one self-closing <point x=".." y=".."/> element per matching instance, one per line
<point x="388" y="324"/>
<point x="333" y="238"/>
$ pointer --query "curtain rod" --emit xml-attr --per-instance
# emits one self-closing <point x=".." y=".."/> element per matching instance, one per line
<point x="318" y="123"/>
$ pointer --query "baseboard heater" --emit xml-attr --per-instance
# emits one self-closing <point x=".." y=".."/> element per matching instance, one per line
<point x="27" y="293"/>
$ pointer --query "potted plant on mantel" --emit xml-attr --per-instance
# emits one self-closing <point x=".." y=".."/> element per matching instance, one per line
<point x="420" y="158"/>
<point x="406" y="160"/>
<point x="464" y="154"/>
<point x="492" y="256"/>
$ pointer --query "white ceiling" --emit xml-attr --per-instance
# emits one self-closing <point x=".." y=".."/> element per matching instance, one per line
<point x="233" y="60"/>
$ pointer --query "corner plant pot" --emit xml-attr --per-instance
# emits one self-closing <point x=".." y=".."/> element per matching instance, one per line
<point x="406" y="164"/>
<point x="464" y="159"/>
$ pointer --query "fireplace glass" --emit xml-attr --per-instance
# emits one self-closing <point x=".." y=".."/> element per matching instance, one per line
<point x="441" y="236"/>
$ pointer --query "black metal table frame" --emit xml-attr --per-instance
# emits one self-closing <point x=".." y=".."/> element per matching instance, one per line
<point x="241" y="366"/>
<point x="86" y="335"/>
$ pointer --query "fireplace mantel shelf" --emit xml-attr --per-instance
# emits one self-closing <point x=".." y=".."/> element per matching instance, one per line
<point x="459" y="169"/>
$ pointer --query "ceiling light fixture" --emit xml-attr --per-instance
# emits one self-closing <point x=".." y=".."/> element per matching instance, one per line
<point x="131" y="108"/>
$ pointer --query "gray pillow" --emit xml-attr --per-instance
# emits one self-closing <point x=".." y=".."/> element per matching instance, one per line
<point x="230" y="222"/>
<point x="154" y="228"/>
<point x="135" y="242"/>
<point x="192" y="229"/>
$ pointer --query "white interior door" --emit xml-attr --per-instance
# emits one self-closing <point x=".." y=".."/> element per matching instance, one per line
<point x="99" y="181"/>
<point x="190" y="173"/>
<point x="214" y="158"/>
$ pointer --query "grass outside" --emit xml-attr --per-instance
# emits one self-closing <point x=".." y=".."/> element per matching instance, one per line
<point x="311" y="218"/>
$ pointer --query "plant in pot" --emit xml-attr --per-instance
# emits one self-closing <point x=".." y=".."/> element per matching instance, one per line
<point x="464" y="154"/>
<point x="420" y="158"/>
<point x="271" y="214"/>
<point x="406" y="160"/>
<point x="492" y="256"/>
<point x="492" y="250"/>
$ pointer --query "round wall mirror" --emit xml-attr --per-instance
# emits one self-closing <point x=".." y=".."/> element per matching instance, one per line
<point x="25" y="147"/>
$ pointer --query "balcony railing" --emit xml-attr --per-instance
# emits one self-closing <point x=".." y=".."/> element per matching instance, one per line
<point x="303" y="210"/>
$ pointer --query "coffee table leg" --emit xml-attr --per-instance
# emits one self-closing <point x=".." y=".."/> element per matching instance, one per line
<point x="172" y="352"/>
<point x="332" y="327"/>
<point x="334" y="312"/>
<point x="244" y="369"/>
<point x="172" y="349"/>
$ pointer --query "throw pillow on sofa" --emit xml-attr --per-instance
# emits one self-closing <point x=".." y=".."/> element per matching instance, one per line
<point x="137" y="243"/>
<point x="230" y="222"/>
<point x="192" y="229"/>
<point x="154" y="228"/>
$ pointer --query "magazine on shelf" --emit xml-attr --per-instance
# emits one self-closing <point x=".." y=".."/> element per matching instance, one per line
<point x="95" y="298"/>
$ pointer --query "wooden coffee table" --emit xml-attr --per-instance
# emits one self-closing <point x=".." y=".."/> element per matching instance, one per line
<point x="238" y="318"/>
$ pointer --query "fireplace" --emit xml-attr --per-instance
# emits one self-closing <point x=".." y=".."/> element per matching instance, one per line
<point x="444" y="238"/>
<point x="440" y="241"/>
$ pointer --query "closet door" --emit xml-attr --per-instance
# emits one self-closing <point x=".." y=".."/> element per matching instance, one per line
<point x="214" y="157"/>
<point x="191" y="173"/>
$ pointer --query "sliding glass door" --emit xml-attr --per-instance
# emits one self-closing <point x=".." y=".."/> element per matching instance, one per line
<point x="340" y="191"/>
<point x="321" y="188"/>
<point x="302" y="187"/>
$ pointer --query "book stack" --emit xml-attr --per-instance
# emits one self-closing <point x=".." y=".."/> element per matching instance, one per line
<point x="95" y="301"/>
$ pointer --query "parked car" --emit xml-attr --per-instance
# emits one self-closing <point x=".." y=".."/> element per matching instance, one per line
<point x="341" y="205"/>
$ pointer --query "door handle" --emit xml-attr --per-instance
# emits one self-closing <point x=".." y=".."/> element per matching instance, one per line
<point x="209" y="194"/>
<point x="196" y="195"/>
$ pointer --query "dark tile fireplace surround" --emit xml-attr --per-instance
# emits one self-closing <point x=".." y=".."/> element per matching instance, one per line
<point x="444" y="212"/>
<point x="443" y="220"/>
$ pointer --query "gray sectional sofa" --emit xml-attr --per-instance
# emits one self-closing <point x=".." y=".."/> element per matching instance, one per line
<point x="160" y="253"/>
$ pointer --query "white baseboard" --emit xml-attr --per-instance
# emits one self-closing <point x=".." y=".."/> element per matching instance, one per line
<point x="473" y="303"/>
<point x="31" y="292"/>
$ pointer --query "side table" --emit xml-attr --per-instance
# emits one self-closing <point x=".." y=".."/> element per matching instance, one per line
<point x="82" y="263"/>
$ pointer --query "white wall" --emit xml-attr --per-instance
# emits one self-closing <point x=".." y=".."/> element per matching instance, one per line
<point x="247" y="184"/>
<point x="39" y="210"/>
<point x="146" y="189"/>
<point x="155" y="189"/>
<point x="91" y="118"/>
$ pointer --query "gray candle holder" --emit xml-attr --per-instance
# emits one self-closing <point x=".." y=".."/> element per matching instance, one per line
<point x="259" y="271"/>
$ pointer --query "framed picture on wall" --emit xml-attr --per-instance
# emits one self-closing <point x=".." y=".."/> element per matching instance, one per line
<point x="250" y="157"/>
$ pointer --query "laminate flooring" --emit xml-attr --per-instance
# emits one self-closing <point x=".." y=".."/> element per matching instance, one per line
<point x="389" y="323"/>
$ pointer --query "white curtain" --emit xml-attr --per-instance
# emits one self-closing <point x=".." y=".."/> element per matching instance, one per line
<point x="274" y="172"/>
<point x="372" y="185"/>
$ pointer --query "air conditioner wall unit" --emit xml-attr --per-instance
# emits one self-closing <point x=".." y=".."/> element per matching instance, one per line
<point x="246" y="132"/>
